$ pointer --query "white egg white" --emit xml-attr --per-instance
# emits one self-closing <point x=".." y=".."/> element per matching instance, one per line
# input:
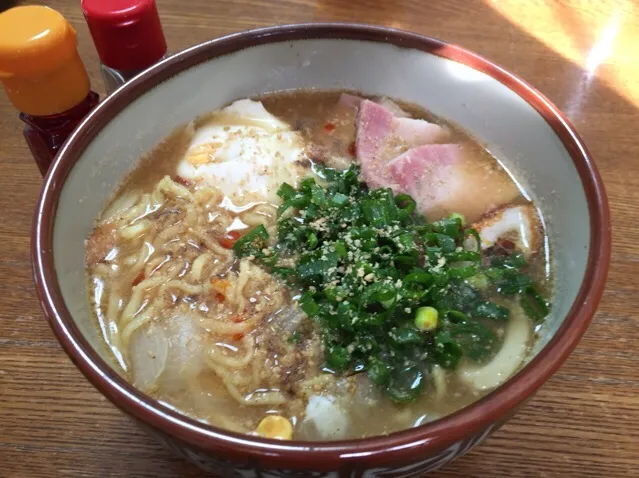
<point x="246" y="152"/>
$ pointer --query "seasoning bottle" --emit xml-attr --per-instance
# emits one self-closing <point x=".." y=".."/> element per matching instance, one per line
<point x="44" y="77"/>
<point x="128" y="36"/>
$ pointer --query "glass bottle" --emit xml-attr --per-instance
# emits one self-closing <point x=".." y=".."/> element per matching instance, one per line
<point x="44" y="77"/>
<point x="127" y="35"/>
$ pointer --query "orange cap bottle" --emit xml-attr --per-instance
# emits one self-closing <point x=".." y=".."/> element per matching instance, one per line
<point x="43" y="76"/>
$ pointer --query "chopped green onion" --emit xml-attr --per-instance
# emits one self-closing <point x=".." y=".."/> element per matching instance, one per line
<point x="392" y="294"/>
<point x="418" y="277"/>
<point x="339" y="199"/>
<point x="463" y="256"/>
<point x="478" y="281"/>
<point x="475" y="235"/>
<point x="406" y="336"/>
<point x="318" y="196"/>
<point x="448" y="353"/>
<point x="533" y="304"/>
<point x="405" y="204"/>
<point x="449" y="227"/>
<point x="340" y="248"/>
<point x="378" y="372"/>
<point x="298" y="201"/>
<point x="378" y="292"/>
<point x="446" y="243"/>
<point x="513" y="261"/>
<point x="405" y="385"/>
<point x="308" y="304"/>
<point x="251" y="242"/>
<point x="286" y="191"/>
<point x="312" y="240"/>
<point x="426" y="318"/>
<point x="512" y="282"/>
<point x="337" y="357"/>
<point x="490" y="310"/>
<point x="456" y="216"/>
<point x="462" y="272"/>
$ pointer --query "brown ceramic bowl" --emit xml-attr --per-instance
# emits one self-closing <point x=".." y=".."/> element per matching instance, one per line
<point x="515" y="121"/>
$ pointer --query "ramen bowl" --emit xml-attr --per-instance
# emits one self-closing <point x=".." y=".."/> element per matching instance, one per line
<point x="515" y="122"/>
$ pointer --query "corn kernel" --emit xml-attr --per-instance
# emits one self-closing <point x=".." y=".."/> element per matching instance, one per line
<point x="275" y="426"/>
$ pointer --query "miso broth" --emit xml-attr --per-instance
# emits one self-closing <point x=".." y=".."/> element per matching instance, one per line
<point x="319" y="265"/>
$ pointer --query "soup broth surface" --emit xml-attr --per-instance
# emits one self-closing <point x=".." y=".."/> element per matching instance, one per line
<point x="224" y="339"/>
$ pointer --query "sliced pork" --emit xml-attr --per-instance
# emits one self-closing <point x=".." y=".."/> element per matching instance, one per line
<point x="429" y="174"/>
<point x="381" y="136"/>
<point x="379" y="124"/>
<point x="374" y="143"/>
<point x="406" y="155"/>
<point x="443" y="180"/>
<point x="393" y="107"/>
<point x="416" y="132"/>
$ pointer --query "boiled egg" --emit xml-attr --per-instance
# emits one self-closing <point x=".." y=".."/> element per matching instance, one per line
<point x="246" y="152"/>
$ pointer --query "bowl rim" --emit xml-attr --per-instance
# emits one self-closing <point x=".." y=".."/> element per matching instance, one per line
<point x="403" y="446"/>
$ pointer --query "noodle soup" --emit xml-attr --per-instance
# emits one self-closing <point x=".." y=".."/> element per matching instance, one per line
<point x="317" y="266"/>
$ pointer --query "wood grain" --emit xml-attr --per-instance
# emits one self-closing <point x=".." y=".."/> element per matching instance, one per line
<point x="583" y="423"/>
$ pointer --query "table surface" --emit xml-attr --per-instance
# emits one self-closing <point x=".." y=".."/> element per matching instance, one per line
<point x="583" y="423"/>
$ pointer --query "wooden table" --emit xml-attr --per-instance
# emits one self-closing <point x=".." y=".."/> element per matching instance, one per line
<point x="584" y="423"/>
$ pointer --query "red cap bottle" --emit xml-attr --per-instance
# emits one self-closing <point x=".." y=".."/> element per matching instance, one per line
<point x="128" y="36"/>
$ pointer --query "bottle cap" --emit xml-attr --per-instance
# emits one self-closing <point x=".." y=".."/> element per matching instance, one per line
<point x="127" y="33"/>
<point x="40" y="68"/>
